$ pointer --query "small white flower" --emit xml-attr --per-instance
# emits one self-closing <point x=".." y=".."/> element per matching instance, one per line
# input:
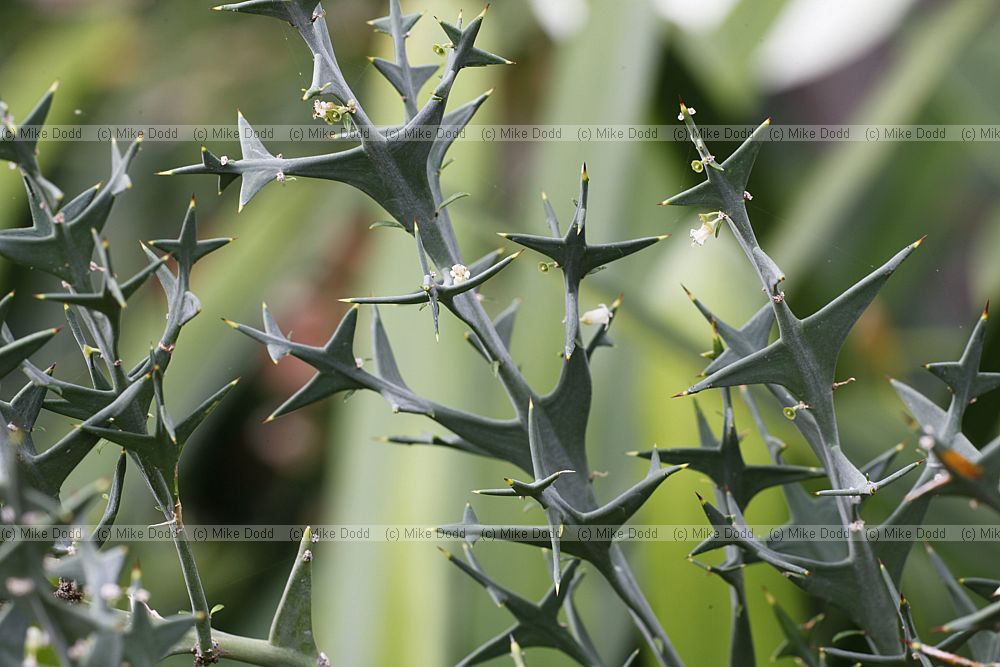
<point x="459" y="274"/>
<point x="307" y="556"/>
<point x="7" y="514"/>
<point x="857" y="526"/>
<point x="280" y="177"/>
<point x="224" y="160"/>
<point x="142" y="595"/>
<point x="359" y="362"/>
<point x="601" y="315"/>
<point x="709" y="226"/>
<point x="18" y="587"/>
<point x="322" y="660"/>
<point x="926" y="442"/>
<point x="747" y="196"/>
<point x="691" y="112"/>
<point x="12" y="166"/>
<point x="59" y="218"/>
<point x="110" y="592"/>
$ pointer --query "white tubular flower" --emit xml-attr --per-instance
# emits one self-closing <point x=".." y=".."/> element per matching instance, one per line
<point x="459" y="274"/>
<point x="709" y="227"/>
<point x="747" y="196"/>
<point x="224" y="160"/>
<point x="601" y="315"/>
<point x="700" y="235"/>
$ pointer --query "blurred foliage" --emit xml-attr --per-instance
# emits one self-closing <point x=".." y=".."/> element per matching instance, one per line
<point x="139" y="61"/>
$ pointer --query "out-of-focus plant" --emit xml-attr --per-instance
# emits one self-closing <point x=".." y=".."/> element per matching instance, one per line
<point x="59" y="595"/>
<point x="860" y="575"/>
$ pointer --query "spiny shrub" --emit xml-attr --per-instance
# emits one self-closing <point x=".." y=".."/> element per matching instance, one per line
<point x="60" y="597"/>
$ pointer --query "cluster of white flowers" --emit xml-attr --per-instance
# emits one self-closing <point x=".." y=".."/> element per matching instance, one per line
<point x="459" y="274"/>
<point x="332" y="112"/>
<point x="709" y="227"/>
<point x="601" y="315"/>
<point x="321" y="108"/>
<point x="691" y="112"/>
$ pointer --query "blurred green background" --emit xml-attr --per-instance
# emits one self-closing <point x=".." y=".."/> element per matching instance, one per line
<point x="827" y="212"/>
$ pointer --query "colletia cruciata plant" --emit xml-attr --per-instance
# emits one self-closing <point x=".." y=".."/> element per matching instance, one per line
<point x="60" y="599"/>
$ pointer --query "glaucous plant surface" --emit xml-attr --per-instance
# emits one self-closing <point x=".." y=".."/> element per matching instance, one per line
<point x="60" y="598"/>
